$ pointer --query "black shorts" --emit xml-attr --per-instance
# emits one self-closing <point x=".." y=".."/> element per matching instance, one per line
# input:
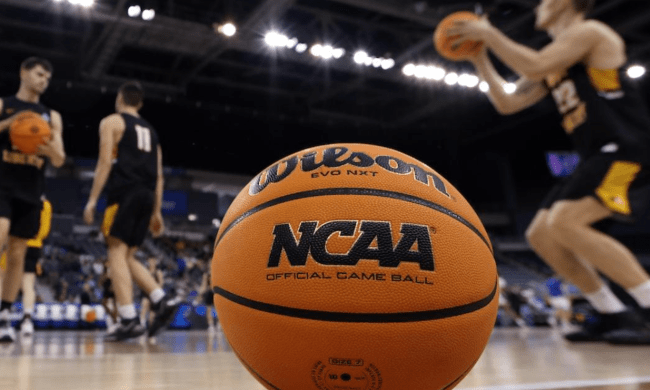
<point x="31" y="258"/>
<point x="128" y="219"/>
<point x="25" y="217"/>
<point x="620" y="183"/>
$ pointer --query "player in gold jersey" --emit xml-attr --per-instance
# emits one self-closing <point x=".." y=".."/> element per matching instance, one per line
<point x="604" y="115"/>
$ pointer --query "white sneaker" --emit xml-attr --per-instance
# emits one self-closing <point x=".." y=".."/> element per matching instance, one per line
<point x="7" y="334"/>
<point x="27" y="327"/>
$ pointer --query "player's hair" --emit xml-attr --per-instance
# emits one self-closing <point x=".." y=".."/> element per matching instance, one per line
<point x="32" y="62"/>
<point x="583" y="6"/>
<point x="132" y="93"/>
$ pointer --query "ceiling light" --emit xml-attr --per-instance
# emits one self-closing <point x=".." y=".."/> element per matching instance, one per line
<point x="360" y="57"/>
<point x="635" y="71"/>
<point x="451" y="78"/>
<point x="409" y="70"/>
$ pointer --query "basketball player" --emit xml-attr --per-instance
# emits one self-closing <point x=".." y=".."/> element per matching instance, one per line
<point x="22" y="179"/>
<point x="130" y="166"/>
<point x="582" y="69"/>
<point x="33" y="255"/>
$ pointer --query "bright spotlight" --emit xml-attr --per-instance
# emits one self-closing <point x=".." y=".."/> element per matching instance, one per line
<point x="301" y="47"/>
<point x="316" y="50"/>
<point x="635" y="71"/>
<point x="86" y="3"/>
<point x="420" y="71"/>
<point x="451" y="78"/>
<point x="409" y="70"/>
<point x="360" y="57"/>
<point x="228" y="29"/>
<point x="148" y="14"/>
<point x="376" y="62"/>
<point x="327" y="52"/>
<point x="509" y="88"/>
<point x="291" y="43"/>
<point x="338" y="52"/>
<point x="192" y="217"/>
<point x="134" y="11"/>
<point x="438" y="73"/>
<point x="472" y="81"/>
<point x="367" y="61"/>
<point x="484" y="86"/>
<point x="387" y="63"/>
<point x="274" y="39"/>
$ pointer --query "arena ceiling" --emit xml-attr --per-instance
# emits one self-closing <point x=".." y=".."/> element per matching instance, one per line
<point x="297" y="100"/>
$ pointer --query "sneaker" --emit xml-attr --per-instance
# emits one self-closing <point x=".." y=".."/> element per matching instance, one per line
<point x="26" y="327"/>
<point x="633" y="334"/>
<point x="598" y="328"/>
<point x="164" y="310"/>
<point x="126" y="329"/>
<point x="7" y="333"/>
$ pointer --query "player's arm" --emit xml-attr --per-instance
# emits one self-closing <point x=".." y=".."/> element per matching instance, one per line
<point x="156" y="225"/>
<point x="108" y="128"/>
<point x="54" y="147"/>
<point x="565" y="51"/>
<point x="4" y="125"/>
<point x="527" y="93"/>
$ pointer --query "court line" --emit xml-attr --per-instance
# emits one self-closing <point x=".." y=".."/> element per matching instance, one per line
<point x="565" y="384"/>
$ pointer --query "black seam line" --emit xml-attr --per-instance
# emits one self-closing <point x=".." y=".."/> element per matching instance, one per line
<point x="358" y="317"/>
<point x="354" y="191"/>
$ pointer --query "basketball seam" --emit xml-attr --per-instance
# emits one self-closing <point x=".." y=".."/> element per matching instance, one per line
<point x="328" y="316"/>
<point x="359" y="192"/>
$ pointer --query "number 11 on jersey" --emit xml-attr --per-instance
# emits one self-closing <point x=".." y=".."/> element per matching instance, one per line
<point x="144" y="138"/>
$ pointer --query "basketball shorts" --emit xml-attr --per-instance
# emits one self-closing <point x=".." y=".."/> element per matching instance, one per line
<point x="25" y="217"/>
<point x="31" y="259"/>
<point x="128" y="218"/>
<point x="621" y="184"/>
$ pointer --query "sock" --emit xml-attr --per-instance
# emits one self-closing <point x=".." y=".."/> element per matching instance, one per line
<point x="127" y="312"/>
<point x="641" y="294"/>
<point x="156" y="295"/>
<point x="605" y="302"/>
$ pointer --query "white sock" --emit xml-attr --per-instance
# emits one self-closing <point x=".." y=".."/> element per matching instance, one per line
<point x="127" y="312"/>
<point x="156" y="295"/>
<point x="641" y="294"/>
<point x="605" y="302"/>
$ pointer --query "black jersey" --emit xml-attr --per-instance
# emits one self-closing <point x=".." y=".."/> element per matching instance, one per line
<point x="135" y="163"/>
<point x="21" y="175"/>
<point x="601" y="107"/>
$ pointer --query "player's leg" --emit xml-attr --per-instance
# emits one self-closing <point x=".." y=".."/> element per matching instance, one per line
<point x="29" y="290"/>
<point x="140" y="206"/>
<point x="16" y="249"/>
<point x="25" y="221"/>
<point x="129" y="325"/>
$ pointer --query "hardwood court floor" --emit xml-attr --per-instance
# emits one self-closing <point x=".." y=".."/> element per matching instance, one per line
<point x="515" y="359"/>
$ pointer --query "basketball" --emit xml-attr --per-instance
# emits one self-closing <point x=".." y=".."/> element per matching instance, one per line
<point x="27" y="131"/>
<point x="443" y="43"/>
<point x="354" y="266"/>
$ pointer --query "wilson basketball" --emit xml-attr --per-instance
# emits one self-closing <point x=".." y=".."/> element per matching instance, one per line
<point x="444" y="44"/>
<point x="354" y="266"/>
<point x="27" y="131"/>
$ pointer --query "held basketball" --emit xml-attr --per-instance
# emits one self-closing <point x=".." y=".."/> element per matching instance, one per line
<point x="354" y="266"/>
<point x="27" y="132"/>
<point x="444" y="44"/>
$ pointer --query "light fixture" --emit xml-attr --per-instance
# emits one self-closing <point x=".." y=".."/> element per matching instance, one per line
<point x="301" y="47"/>
<point x="509" y="88"/>
<point x="635" y="71"/>
<point x="360" y="57"/>
<point x="148" y="14"/>
<point x="451" y="78"/>
<point x="387" y="63"/>
<point x="228" y="29"/>
<point x="134" y="11"/>
<point x="409" y="70"/>
<point x="484" y="86"/>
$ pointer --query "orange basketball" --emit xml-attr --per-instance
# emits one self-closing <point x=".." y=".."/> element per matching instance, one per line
<point x="27" y="131"/>
<point x="443" y="43"/>
<point x="91" y="316"/>
<point x="354" y="266"/>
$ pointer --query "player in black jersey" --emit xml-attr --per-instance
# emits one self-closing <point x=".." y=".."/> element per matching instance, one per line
<point x="22" y="179"/>
<point x="130" y="166"/>
<point x="602" y="112"/>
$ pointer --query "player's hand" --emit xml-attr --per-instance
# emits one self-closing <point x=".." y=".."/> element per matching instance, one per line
<point x="89" y="212"/>
<point x="47" y="148"/>
<point x="157" y="224"/>
<point x="6" y="124"/>
<point x="470" y="30"/>
<point x="480" y="57"/>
